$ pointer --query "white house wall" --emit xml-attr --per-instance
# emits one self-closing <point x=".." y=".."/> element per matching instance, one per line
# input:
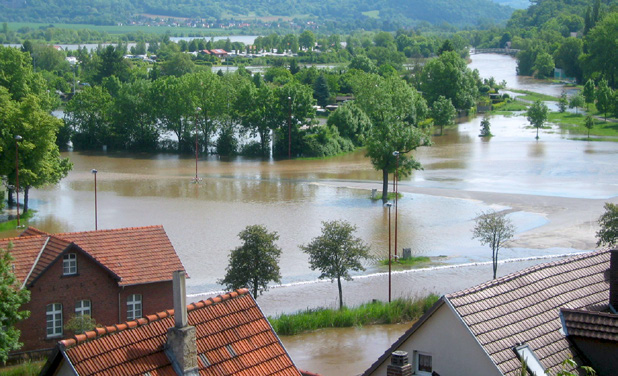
<point x="453" y="349"/>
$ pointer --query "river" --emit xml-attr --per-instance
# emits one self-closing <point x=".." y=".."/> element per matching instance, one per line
<point x="463" y="175"/>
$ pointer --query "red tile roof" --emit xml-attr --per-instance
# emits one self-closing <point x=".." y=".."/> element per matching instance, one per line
<point x="227" y="323"/>
<point x="524" y="307"/>
<point x="134" y="255"/>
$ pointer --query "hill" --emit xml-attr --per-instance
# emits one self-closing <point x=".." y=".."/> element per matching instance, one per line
<point x="343" y="14"/>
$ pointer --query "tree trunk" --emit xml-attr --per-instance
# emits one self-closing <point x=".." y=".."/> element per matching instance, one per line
<point x="384" y="185"/>
<point x="340" y="293"/>
<point x="255" y="288"/>
<point x="10" y="199"/>
<point x="26" y="191"/>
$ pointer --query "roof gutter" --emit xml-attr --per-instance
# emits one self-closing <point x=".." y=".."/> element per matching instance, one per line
<point x="38" y="257"/>
<point x="448" y="303"/>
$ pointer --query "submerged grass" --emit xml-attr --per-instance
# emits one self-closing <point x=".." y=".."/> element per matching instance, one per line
<point x="532" y="96"/>
<point x="12" y="224"/>
<point x="574" y="124"/>
<point x="409" y="261"/>
<point x="376" y="312"/>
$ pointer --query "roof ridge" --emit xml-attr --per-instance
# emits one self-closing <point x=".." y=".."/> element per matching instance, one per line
<point x="110" y="230"/>
<point x="24" y="237"/>
<point x="99" y="332"/>
<point x="526" y="271"/>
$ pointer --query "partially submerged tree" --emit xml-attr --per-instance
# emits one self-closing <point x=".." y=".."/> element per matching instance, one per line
<point x="493" y="229"/>
<point x="485" y="128"/>
<point x="255" y="263"/>
<point x="563" y="101"/>
<point x="608" y="233"/>
<point x="589" y="124"/>
<point x="443" y="112"/>
<point x="537" y="115"/>
<point x="336" y="252"/>
<point x="11" y="299"/>
<point x="577" y="101"/>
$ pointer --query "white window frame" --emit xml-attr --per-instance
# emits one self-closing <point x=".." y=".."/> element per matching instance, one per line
<point x="134" y="306"/>
<point x="525" y="353"/>
<point x="69" y="264"/>
<point x="53" y="318"/>
<point x="417" y="371"/>
<point x="83" y="307"/>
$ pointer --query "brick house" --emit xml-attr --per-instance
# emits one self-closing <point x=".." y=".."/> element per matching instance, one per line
<point x="544" y="315"/>
<point x="224" y="335"/>
<point x="111" y="275"/>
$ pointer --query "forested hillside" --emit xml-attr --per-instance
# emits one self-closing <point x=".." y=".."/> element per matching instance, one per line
<point x="353" y="14"/>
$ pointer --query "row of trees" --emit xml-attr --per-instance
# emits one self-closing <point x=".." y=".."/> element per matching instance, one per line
<point x="335" y="253"/>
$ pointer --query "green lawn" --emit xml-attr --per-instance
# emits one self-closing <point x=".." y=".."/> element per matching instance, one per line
<point x="533" y="97"/>
<point x="574" y="124"/>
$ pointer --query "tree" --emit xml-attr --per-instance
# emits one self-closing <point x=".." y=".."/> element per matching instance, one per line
<point x="563" y="102"/>
<point x="336" y="253"/>
<point x="306" y="40"/>
<point x="178" y="65"/>
<point x="255" y="263"/>
<point x="602" y="46"/>
<point x="485" y="128"/>
<point x="443" y="112"/>
<point x="543" y="65"/>
<point x="493" y="229"/>
<point x="11" y="299"/>
<point x="89" y="115"/>
<point x="537" y="115"/>
<point x="589" y="124"/>
<point x="604" y="96"/>
<point x="577" y="101"/>
<point x="589" y="92"/>
<point x="351" y="122"/>
<point x="449" y="76"/>
<point x="321" y="91"/>
<point x="608" y="221"/>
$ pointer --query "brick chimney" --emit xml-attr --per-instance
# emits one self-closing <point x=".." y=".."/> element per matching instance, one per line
<point x="399" y="365"/>
<point x="613" y="279"/>
<point x="181" y="347"/>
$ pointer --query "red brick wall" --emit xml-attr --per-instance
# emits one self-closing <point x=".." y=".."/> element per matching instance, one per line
<point x="92" y="283"/>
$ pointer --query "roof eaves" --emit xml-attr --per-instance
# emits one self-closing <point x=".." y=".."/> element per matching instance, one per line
<point x="101" y="331"/>
<point x="405" y="336"/>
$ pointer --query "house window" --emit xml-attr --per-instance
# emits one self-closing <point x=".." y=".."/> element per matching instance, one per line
<point x="134" y="307"/>
<point x="527" y="355"/>
<point x="422" y="363"/>
<point x="54" y="320"/>
<point x="69" y="264"/>
<point x="83" y="308"/>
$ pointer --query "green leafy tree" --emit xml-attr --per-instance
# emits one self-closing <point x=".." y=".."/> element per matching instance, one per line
<point x="351" y="122"/>
<point x="449" y="76"/>
<point x="110" y="61"/>
<point x="608" y="222"/>
<point x="306" y="40"/>
<point x="443" y="112"/>
<point x="178" y="65"/>
<point x="604" y="97"/>
<point x="567" y="57"/>
<point x="563" y="102"/>
<point x="255" y="263"/>
<point x="12" y="297"/>
<point x="537" y="115"/>
<point x="543" y="65"/>
<point x="493" y="229"/>
<point x="174" y="109"/>
<point x="206" y="91"/>
<point x="485" y="128"/>
<point x="294" y="109"/>
<point x="254" y="108"/>
<point x="589" y="124"/>
<point x="336" y="252"/>
<point x="89" y="115"/>
<point x="602" y="45"/>
<point x="589" y="92"/>
<point x="321" y="91"/>
<point x="577" y="101"/>
<point x="80" y="323"/>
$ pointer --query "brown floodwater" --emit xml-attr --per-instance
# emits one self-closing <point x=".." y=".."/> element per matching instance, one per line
<point x="342" y="351"/>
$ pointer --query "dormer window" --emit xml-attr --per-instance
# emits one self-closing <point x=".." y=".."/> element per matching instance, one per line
<point x="69" y="264"/>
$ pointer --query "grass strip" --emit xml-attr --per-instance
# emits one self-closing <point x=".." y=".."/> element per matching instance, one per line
<point x="409" y="261"/>
<point x="376" y="312"/>
<point x="575" y="124"/>
<point x="12" y="224"/>
<point x="532" y="96"/>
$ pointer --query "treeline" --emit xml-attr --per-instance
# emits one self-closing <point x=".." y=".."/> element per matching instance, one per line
<point x="346" y="15"/>
<point x="580" y="37"/>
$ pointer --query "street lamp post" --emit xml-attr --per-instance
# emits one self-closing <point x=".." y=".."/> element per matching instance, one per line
<point x="388" y="205"/>
<point x="290" y="128"/>
<point x="94" y="172"/>
<point x="197" y="111"/>
<point x="396" y="185"/>
<point x="18" y="138"/>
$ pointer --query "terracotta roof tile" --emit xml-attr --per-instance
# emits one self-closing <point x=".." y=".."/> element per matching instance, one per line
<point x="524" y="307"/>
<point x="136" y="347"/>
<point x="134" y="255"/>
